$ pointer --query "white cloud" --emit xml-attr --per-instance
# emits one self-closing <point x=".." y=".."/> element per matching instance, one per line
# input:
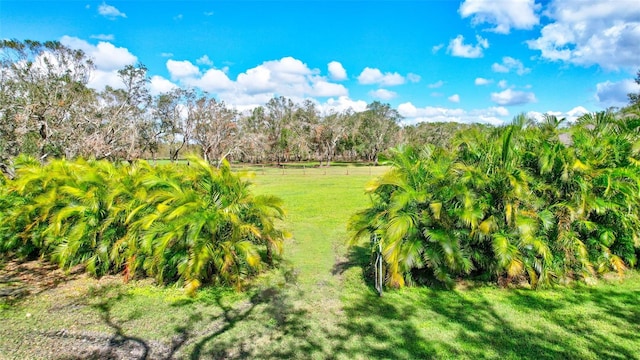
<point x="615" y="93"/>
<point x="412" y="114"/>
<point x="499" y="68"/>
<point x="517" y="14"/>
<point x="576" y="112"/>
<point x="337" y="71"/>
<point x="213" y="80"/>
<point x="458" y="48"/>
<point x="182" y="69"/>
<point x="110" y="12"/>
<point x="414" y="78"/>
<point x="570" y="116"/>
<point x="482" y="81"/>
<point x="204" y="60"/>
<point x="99" y="79"/>
<point x="455" y="98"/>
<point x="343" y="103"/>
<point x="383" y="94"/>
<point x="208" y="13"/>
<point x="256" y="80"/>
<point x="105" y="55"/>
<point x="107" y="58"/>
<point x="436" y="84"/>
<point x="159" y="85"/>
<point x="166" y="54"/>
<point x="510" y="97"/>
<point x="508" y="64"/>
<point x="502" y="84"/>
<point x="436" y="48"/>
<point x="104" y="37"/>
<point x="288" y="77"/>
<point x="375" y="76"/>
<point x="325" y="89"/>
<point x="588" y="32"/>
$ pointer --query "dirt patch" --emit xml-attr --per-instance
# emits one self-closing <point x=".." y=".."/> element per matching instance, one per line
<point x="19" y="279"/>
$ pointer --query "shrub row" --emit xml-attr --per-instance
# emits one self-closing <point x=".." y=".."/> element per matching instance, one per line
<point x="535" y="202"/>
<point x="190" y="223"/>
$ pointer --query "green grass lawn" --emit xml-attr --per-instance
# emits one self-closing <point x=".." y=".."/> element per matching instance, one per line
<point x="319" y="304"/>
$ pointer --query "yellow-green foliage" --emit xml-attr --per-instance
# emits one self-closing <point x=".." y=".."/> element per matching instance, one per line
<point x="511" y="203"/>
<point x="192" y="223"/>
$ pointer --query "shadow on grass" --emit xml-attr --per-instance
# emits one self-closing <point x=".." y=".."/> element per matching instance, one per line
<point x="357" y="256"/>
<point x="448" y="324"/>
<point x="119" y="345"/>
<point x="252" y="330"/>
<point x="583" y="322"/>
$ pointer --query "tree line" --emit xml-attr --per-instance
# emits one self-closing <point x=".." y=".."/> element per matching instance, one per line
<point x="48" y="111"/>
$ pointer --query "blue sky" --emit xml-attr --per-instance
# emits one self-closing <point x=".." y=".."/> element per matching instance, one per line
<point x="466" y="61"/>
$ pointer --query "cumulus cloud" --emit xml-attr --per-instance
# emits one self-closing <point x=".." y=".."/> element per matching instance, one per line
<point x="570" y="116"/>
<point x="458" y="48"/>
<point x="455" y="98"/>
<point x="105" y="55"/>
<point x="343" y="103"/>
<point x="375" y="76"/>
<point x="159" y="85"/>
<point x="213" y="80"/>
<point x="503" y="84"/>
<point x="413" y="114"/>
<point x="383" y="94"/>
<point x="588" y="32"/>
<point x="615" y="93"/>
<point x="287" y="76"/>
<point x="337" y="71"/>
<point x="504" y="15"/>
<point x="324" y="89"/>
<point x="182" y="69"/>
<point x="204" y="60"/>
<point x="510" y="97"/>
<point x="110" y="12"/>
<point x="107" y="58"/>
<point x="508" y="64"/>
<point x="436" y="48"/>
<point x="576" y="112"/>
<point x="482" y="81"/>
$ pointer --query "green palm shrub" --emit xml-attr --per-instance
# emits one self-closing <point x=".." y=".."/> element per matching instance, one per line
<point x="511" y="203"/>
<point x="190" y="223"/>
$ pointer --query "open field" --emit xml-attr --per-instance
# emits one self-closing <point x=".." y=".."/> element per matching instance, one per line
<point x="319" y="304"/>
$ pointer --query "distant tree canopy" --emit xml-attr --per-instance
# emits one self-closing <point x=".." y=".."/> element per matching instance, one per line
<point x="48" y="111"/>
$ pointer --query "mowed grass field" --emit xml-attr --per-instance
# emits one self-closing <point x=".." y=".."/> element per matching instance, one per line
<point x="320" y="304"/>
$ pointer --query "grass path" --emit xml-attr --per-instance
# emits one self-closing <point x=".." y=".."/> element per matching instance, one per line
<point x="317" y="216"/>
